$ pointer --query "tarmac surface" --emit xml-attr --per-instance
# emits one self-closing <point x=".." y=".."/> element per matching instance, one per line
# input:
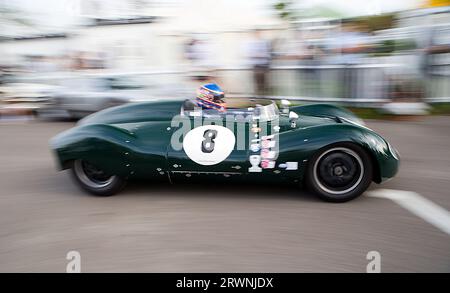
<point x="194" y="228"/>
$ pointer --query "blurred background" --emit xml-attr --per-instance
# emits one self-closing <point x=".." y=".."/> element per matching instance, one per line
<point x="383" y="59"/>
<point x="72" y="57"/>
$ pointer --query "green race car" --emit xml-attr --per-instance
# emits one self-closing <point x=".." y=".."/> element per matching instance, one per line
<point x="323" y="147"/>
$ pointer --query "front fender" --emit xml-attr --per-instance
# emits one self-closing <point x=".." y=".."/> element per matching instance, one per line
<point x="300" y="144"/>
<point x="327" y="110"/>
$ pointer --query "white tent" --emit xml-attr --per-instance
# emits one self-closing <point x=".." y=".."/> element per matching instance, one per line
<point x="202" y="16"/>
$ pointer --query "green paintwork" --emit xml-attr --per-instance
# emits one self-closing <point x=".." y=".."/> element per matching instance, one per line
<point x="133" y="141"/>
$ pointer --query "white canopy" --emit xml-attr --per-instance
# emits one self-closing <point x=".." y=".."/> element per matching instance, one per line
<point x="203" y="16"/>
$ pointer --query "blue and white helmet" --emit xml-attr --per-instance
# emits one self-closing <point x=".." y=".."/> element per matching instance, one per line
<point x="211" y="96"/>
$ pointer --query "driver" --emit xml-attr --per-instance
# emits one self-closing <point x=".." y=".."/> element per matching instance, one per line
<point x="211" y="96"/>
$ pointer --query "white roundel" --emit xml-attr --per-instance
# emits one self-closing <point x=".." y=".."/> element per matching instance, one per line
<point x="209" y="144"/>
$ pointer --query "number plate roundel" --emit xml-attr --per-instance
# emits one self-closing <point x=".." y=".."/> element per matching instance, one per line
<point x="209" y="144"/>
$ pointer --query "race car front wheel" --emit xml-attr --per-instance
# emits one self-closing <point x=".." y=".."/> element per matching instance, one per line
<point x="339" y="173"/>
<point x="95" y="180"/>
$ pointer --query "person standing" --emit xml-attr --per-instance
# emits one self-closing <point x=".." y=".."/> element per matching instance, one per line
<point x="199" y="53"/>
<point x="259" y="56"/>
<point x="348" y="47"/>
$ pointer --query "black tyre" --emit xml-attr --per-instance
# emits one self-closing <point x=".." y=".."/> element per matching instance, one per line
<point x="94" y="180"/>
<point x="339" y="173"/>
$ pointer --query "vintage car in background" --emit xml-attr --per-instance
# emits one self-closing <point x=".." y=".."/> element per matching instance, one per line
<point x="80" y="96"/>
<point x="21" y="97"/>
<point x="323" y="147"/>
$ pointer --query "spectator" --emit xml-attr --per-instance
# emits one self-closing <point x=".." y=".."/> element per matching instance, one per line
<point x="436" y="46"/>
<point x="347" y="47"/>
<point x="298" y="51"/>
<point x="199" y="54"/>
<point x="259" y="55"/>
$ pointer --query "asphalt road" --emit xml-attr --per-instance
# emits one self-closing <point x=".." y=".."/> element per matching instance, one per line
<point x="184" y="228"/>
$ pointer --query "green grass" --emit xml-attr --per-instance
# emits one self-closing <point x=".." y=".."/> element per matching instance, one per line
<point x="440" y="109"/>
<point x="363" y="112"/>
<point x="367" y="113"/>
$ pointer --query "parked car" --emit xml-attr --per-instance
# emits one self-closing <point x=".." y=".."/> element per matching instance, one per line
<point x="19" y="97"/>
<point x="83" y="95"/>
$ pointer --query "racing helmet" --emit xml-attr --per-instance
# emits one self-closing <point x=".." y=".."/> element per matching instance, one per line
<point x="211" y="96"/>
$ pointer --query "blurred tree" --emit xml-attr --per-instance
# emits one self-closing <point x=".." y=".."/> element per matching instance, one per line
<point x="285" y="10"/>
<point x="290" y="11"/>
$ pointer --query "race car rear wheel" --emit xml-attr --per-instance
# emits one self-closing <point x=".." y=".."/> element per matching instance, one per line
<point x="339" y="173"/>
<point x="95" y="180"/>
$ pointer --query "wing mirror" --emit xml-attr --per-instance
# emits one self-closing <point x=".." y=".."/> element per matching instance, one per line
<point x="293" y="117"/>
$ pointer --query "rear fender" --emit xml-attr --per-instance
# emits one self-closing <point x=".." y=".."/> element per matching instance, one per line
<point x="105" y="146"/>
